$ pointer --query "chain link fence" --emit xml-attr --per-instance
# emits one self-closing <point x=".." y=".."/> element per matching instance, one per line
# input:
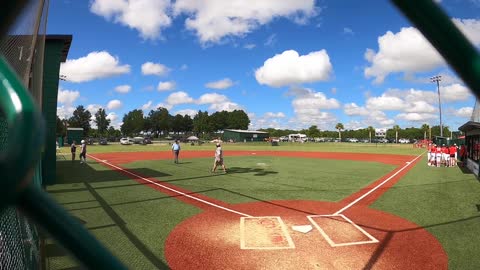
<point x="23" y="48"/>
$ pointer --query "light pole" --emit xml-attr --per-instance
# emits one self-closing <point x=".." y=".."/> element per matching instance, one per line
<point x="437" y="79"/>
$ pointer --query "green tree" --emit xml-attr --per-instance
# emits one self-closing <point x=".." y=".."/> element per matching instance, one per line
<point x="133" y="122"/>
<point x="370" y="131"/>
<point x="313" y="132"/>
<point x="177" y="123"/>
<point x="187" y="123"/>
<point x="201" y="123"/>
<point x="238" y="119"/>
<point x="339" y="127"/>
<point x="396" y="128"/>
<point x="61" y="129"/>
<point x="81" y="119"/>
<point x="102" y="121"/>
<point x="159" y="120"/>
<point x="425" y="128"/>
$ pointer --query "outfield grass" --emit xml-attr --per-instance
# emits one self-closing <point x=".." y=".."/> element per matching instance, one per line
<point x="381" y="148"/>
<point x="253" y="178"/>
<point x="446" y="202"/>
<point x="134" y="220"/>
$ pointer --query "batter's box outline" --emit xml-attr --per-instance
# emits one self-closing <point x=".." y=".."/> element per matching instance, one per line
<point x="372" y="240"/>
<point x="284" y="230"/>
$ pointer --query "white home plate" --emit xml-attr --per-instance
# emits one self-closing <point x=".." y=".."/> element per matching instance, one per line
<point x="302" y="228"/>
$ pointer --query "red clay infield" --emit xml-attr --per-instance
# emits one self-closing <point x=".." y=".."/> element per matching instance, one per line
<point x="222" y="239"/>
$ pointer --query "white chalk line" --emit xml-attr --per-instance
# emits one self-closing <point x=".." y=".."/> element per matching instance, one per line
<point x="171" y="189"/>
<point x="379" y="185"/>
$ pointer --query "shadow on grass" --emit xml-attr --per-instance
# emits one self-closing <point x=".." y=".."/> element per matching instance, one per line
<point x="254" y="171"/>
<point x="69" y="172"/>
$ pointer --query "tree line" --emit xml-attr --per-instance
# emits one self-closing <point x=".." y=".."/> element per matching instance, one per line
<point x="157" y="122"/>
<point x="160" y="122"/>
<point x="424" y="132"/>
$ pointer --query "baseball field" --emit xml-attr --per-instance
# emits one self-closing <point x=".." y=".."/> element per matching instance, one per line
<point x="293" y="206"/>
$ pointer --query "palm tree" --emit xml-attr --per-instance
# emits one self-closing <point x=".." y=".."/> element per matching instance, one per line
<point x="425" y="127"/>
<point x="339" y="127"/>
<point x="370" y="130"/>
<point x="396" y="128"/>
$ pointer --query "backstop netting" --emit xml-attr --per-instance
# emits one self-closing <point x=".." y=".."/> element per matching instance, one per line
<point x="23" y="48"/>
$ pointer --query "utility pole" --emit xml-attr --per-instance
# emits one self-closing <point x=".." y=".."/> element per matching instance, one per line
<point x="437" y="79"/>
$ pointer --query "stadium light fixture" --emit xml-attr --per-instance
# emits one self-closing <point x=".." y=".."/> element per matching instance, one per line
<point x="437" y="79"/>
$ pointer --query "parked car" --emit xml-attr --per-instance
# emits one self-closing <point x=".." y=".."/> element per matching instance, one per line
<point x="353" y="140"/>
<point x="103" y="141"/>
<point x="404" y="141"/>
<point x="126" y="141"/>
<point x="147" y="140"/>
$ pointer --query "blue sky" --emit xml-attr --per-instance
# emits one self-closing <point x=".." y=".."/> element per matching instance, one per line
<point x="288" y="64"/>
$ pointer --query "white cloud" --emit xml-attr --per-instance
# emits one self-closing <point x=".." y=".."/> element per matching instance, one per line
<point x="416" y="117"/>
<point x="309" y="109"/>
<point x="65" y="112"/>
<point x="184" y="67"/>
<point x="454" y="92"/>
<point x="249" y="46"/>
<point x="347" y="31"/>
<point x="378" y="119"/>
<point x="163" y="105"/>
<point x="150" y="68"/>
<point x="408" y="51"/>
<point x="93" y="108"/>
<point x="465" y="112"/>
<point x="274" y="115"/>
<point x="123" y="89"/>
<point x="166" y="86"/>
<point x="290" y="68"/>
<point x="271" y="40"/>
<point x="147" y="106"/>
<point x="225" y="106"/>
<point x="385" y="102"/>
<point x="353" y="109"/>
<point x="419" y="107"/>
<point x="212" y="98"/>
<point x="96" y="65"/>
<point x="114" y="120"/>
<point x="221" y="84"/>
<point x="212" y="20"/>
<point x="67" y="96"/>
<point x="179" y="98"/>
<point x="189" y="112"/>
<point x="114" y="104"/>
<point x="148" y="17"/>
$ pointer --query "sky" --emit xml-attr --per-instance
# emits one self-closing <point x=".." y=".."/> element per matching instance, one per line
<point x="288" y="64"/>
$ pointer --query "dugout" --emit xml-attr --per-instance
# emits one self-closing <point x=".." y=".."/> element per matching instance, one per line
<point x="74" y="134"/>
<point x="238" y="135"/>
<point x="56" y="51"/>
<point x="472" y="145"/>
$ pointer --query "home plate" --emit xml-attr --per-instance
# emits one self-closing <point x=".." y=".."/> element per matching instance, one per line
<point x="302" y="228"/>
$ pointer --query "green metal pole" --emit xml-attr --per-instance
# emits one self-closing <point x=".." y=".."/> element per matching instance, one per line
<point x="70" y="233"/>
<point x="439" y="29"/>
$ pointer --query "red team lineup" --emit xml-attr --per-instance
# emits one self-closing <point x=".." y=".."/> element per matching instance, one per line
<point x="441" y="155"/>
<point x="273" y="234"/>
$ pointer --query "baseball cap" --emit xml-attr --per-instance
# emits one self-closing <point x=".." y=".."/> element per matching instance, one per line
<point x="83" y="141"/>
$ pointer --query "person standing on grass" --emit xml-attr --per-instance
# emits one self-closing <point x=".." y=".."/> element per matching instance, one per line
<point x="73" y="149"/>
<point x="176" y="151"/>
<point x="83" y="152"/>
<point x="219" y="159"/>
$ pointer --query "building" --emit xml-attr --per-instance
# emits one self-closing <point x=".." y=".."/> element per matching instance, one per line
<point x="471" y="130"/>
<point x="297" y="137"/>
<point x="238" y="135"/>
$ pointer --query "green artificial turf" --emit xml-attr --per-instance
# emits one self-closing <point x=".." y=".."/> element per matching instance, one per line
<point x="130" y="219"/>
<point x="380" y="148"/>
<point x="257" y="178"/>
<point x="444" y="201"/>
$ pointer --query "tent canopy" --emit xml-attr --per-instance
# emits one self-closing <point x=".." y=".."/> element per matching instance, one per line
<point x="192" y="138"/>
